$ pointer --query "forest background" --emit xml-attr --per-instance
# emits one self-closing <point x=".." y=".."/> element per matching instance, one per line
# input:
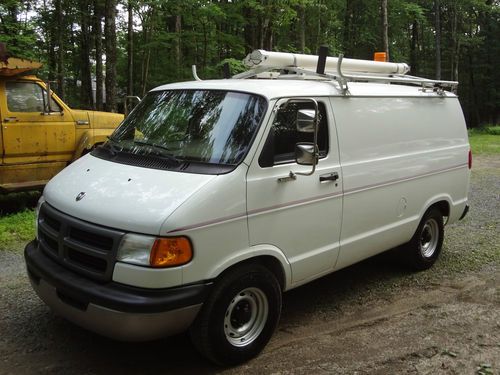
<point x="120" y="48"/>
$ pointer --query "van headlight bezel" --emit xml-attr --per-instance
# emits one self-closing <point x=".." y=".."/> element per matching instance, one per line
<point x="155" y="252"/>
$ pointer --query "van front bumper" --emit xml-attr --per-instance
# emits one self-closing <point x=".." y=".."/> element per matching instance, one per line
<point x="111" y="309"/>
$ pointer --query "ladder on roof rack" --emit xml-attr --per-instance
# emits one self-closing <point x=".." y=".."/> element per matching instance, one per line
<point x="263" y="63"/>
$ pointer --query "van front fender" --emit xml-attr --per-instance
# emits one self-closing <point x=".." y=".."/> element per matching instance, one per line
<point x="254" y="252"/>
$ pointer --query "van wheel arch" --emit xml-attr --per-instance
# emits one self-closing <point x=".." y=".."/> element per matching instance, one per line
<point x="443" y="207"/>
<point x="271" y="263"/>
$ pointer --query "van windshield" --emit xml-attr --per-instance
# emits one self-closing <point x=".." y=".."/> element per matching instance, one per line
<point x="207" y="126"/>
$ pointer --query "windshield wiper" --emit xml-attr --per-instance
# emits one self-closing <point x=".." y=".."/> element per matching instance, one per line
<point x="160" y="150"/>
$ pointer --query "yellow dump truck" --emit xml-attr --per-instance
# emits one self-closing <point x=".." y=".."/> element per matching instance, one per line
<point x="40" y="134"/>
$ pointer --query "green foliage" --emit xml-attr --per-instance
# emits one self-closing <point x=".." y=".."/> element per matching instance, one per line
<point x="18" y="35"/>
<point x="16" y="228"/>
<point x="235" y="66"/>
<point x="485" y="140"/>
<point x="170" y="36"/>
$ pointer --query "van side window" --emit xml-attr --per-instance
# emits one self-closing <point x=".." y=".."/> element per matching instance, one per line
<point x="280" y="144"/>
<point x="27" y="97"/>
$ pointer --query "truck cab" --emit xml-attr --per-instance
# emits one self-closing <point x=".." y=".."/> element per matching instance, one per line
<point x="39" y="137"/>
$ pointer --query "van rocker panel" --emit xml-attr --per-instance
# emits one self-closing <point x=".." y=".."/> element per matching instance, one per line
<point x="112" y="309"/>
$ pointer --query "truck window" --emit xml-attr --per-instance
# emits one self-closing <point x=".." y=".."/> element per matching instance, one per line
<point x="284" y="135"/>
<point x="27" y="97"/>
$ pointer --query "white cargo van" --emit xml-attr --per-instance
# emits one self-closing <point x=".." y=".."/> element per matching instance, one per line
<point x="214" y="197"/>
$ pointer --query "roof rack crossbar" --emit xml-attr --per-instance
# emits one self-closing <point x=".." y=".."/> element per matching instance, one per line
<point x="343" y="78"/>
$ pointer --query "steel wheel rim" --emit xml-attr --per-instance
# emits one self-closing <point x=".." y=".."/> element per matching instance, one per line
<point x="429" y="237"/>
<point x="246" y="316"/>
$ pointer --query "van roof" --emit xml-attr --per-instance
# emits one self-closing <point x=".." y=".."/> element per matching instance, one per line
<point x="277" y="88"/>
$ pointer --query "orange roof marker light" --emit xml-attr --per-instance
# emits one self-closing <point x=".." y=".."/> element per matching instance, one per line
<point x="380" y="56"/>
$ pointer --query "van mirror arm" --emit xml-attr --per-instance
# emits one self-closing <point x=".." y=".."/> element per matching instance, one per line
<point x="47" y="109"/>
<point x="195" y="73"/>
<point x="128" y="100"/>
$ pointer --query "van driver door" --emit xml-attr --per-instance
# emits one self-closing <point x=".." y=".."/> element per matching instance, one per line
<point x="301" y="216"/>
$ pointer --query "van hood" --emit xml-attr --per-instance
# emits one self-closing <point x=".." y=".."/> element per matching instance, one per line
<point x="121" y="196"/>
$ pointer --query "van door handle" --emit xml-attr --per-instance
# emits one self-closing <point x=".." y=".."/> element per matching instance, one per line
<point x="10" y="119"/>
<point x="329" y="177"/>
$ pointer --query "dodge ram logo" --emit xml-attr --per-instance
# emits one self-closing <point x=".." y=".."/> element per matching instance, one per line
<point x="80" y="196"/>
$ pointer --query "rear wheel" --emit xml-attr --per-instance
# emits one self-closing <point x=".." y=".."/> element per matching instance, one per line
<point x="240" y="316"/>
<point x="424" y="248"/>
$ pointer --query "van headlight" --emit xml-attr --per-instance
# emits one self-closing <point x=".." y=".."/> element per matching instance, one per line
<point x="158" y="252"/>
<point x="37" y="212"/>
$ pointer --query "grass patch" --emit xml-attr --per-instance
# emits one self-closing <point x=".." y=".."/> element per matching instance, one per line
<point x="485" y="140"/>
<point x="15" y="228"/>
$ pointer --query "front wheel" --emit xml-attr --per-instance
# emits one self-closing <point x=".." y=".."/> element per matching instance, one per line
<point x="240" y="316"/>
<point x="425" y="245"/>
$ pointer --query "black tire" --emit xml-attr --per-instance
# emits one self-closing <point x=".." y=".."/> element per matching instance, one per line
<point x="425" y="246"/>
<point x="246" y="298"/>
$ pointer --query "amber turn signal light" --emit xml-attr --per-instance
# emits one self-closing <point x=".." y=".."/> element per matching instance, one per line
<point x="169" y="252"/>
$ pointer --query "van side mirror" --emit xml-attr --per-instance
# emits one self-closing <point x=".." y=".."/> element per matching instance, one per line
<point x="306" y="120"/>
<point x="305" y="153"/>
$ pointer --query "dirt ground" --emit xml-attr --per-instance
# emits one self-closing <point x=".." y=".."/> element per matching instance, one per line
<point x="371" y="318"/>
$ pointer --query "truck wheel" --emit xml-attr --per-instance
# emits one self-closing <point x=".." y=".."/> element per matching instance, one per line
<point x="239" y="317"/>
<point x="425" y="246"/>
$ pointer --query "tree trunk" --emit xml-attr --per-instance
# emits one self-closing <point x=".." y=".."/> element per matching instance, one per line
<point x="455" y="48"/>
<point x="49" y="37"/>
<point x="60" y="45"/>
<point x="249" y="30"/>
<point x="178" y="55"/>
<point x="146" y="71"/>
<point x="319" y="40"/>
<point x="148" y="28"/>
<point x="267" y="33"/>
<point x="130" y="50"/>
<point x="474" y="119"/>
<point x="437" y="10"/>
<point x="110" y="37"/>
<point x="347" y="36"/>
<point x="302" y="28"/>
<point x="98" y="55"/>
<point x="86" y="78"/>
<point x="414" y="49"/>
<point x="385" y="29"/>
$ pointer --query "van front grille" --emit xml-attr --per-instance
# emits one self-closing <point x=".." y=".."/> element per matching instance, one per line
<point x="85" y="248"/>
<point x="85" y="237"/>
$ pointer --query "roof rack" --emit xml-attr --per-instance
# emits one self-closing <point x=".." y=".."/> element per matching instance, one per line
<point x="264" y="64"/>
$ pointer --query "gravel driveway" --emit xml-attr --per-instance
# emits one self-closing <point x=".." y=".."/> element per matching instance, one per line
<point x="374" y="317"/>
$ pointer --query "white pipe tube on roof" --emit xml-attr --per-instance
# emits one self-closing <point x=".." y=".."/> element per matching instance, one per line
<point x="262" y="58"/>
